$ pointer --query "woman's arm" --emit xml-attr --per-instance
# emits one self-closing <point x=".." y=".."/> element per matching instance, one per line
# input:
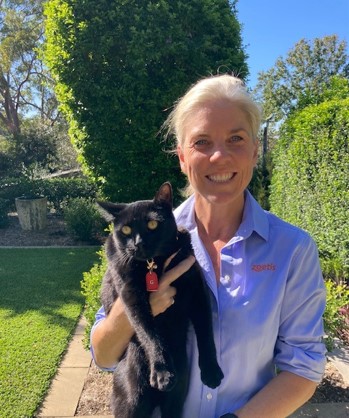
<point x="111" y="336"/>
<point x="279" y="398"/>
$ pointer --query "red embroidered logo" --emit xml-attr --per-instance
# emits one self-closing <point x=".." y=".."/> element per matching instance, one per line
<point x="262" y="267"/>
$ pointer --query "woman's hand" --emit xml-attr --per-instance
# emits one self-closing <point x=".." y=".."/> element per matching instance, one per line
<point x="163" y="298"/>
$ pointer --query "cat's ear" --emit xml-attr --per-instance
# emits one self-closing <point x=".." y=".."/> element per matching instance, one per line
<point x="110" y="210"/>
<point x="164" y="194"/>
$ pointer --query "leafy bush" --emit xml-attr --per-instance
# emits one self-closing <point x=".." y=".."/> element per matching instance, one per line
<point x="91" y="286"/>
<point x="337" y="299"/>
<point x="83" y="219"/>
<point x="4" y="209"/>
<point x="57" y="190"/>
<point x="119" y="65"/>
<point x="310" y="178"/>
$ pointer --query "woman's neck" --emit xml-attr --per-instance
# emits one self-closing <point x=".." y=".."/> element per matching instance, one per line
<point x="218" y="222"/>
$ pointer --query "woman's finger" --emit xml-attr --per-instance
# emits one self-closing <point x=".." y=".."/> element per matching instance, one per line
<point x="175" y="272"/>
<point x="168" y="261"/>
<point x="161" y="300"/>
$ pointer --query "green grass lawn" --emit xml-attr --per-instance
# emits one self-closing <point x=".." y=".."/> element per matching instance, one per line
<point x="40" y="303"/>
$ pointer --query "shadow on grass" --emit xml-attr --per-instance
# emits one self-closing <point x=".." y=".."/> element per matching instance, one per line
<point x="45" y="280"/>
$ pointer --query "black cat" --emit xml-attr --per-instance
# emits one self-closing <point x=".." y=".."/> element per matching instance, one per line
<point x="154" y="370"/>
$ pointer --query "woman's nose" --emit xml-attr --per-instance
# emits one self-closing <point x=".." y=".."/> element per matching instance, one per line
<point x="219" y="152"/>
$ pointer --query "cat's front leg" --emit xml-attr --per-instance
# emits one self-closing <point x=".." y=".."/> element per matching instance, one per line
<point x="162" y="373"/>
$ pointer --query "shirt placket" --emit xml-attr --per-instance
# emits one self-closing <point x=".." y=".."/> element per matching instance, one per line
<point x="209" y="395"/>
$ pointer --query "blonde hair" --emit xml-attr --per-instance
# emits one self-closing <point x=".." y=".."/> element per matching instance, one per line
<point x="221" y="87"/>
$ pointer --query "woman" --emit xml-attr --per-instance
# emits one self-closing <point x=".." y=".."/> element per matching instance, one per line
<point x="267" y="291"/>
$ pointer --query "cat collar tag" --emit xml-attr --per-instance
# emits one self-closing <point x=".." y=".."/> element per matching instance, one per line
<point x="151" y="278"/>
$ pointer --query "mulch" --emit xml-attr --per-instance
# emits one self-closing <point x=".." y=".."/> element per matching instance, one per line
<point x="56" y="234"/>
<point x="95" y="397"/>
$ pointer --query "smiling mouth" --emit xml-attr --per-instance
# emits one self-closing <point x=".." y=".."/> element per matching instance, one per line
<point x="221" y="178"/>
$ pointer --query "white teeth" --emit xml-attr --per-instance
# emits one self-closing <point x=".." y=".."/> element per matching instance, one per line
<point x="220" y="178"/>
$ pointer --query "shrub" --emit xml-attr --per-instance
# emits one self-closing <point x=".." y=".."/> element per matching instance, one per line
<point x="57" y="190"/>
<point x="83" y="219"/>
<point x="119" y="65"/>
<point x="310" y="178"/>
<point x="91" y="286"/>
<point x="4" y="209"/>
<point x="337" y="300"/>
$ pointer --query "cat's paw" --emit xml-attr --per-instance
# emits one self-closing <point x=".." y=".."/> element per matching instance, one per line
<point x="161" y="378"/>
<point x="212" y="376"/>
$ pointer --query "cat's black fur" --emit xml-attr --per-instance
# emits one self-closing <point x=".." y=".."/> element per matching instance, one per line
<point x="154" y="370"/>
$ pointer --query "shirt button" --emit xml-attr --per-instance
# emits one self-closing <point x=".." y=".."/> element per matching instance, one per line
<point x="227" y="278"/>
<point x="209" y="396"/>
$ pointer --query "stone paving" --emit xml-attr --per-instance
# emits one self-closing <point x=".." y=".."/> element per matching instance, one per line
<point x="64" y="394"/>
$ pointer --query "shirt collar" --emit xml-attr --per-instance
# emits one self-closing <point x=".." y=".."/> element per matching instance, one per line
<point x="254" y="218"/>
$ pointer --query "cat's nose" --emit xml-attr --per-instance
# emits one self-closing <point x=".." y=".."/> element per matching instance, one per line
<point x="140" y="251"/>
<point x="138" y="241"/>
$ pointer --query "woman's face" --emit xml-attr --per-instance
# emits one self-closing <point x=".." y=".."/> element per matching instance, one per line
<point x="218" y="153"/>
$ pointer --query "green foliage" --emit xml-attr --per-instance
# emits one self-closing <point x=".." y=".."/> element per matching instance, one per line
<point x="334" y="320"/>
<point x="40" y="303"/>
<point x="260" y="183"/>
<point x="4" y="209"/>
<point x="310" y="178"/>
<point x="120" y="65"/>
<point x="57" y="190"/>
<point x="24" y="80"/>
<point x="40" y="148"/>
<point x="83" y="219"/>
<point x="91" y="287"/>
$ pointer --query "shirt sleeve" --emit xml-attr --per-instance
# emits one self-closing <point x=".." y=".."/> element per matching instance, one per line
<point x="100" y="316"/>
<point x="299" y="347"/>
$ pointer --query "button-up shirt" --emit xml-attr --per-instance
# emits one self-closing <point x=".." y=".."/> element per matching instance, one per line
<point x="266" y="311"/>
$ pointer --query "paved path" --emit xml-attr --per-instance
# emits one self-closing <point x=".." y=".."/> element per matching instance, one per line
<point x="64" y="393"/>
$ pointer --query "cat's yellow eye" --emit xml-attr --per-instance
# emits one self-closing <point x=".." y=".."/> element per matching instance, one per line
<point x="152" y="224"/>
<point x="126" y="230"/>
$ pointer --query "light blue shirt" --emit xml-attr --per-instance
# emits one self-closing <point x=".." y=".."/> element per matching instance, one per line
<point x="267" y="310"/>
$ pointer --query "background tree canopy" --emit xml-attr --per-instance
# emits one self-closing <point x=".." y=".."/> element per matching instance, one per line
<point x="33" y="138"/>
<point x="297" y="80"/>
<point x="23" y="79"/>
<point x="120" y="65"/>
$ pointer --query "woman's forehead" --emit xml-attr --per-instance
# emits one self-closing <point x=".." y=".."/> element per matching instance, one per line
<point x="223" y="115"/>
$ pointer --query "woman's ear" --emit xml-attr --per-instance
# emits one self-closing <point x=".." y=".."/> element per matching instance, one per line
<point x="181" y="159"/>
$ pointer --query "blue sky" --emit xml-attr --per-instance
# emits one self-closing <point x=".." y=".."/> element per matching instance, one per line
<point x="272" y="27"/>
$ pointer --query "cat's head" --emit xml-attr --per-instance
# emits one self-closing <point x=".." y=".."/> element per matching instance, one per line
<point x="144" y="229"/>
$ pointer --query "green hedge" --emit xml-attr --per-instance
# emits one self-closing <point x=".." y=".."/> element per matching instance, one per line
<point x="57" y="190"/>
<point x="91" y="288"/>
<point x="311" y="177"/>
<point x="120" y="65"/>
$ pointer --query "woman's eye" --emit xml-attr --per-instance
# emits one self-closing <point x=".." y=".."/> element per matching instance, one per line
<point x="236" y="138"/>
<point x="200" y="143"/>
<point x="152" y="224"/>
<point x="126" y="230"/>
